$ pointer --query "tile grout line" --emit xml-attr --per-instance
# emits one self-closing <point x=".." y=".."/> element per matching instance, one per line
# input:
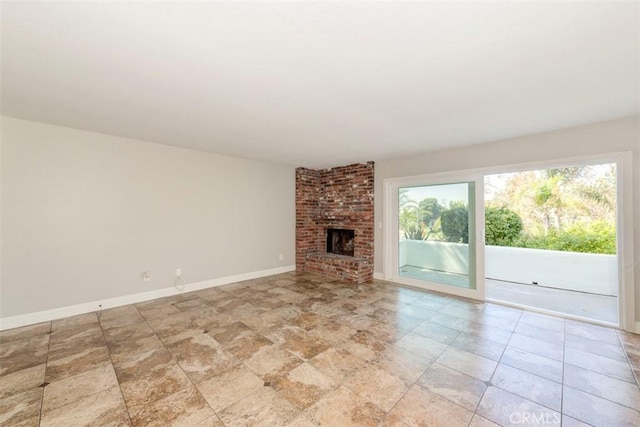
<point x="176" y="361"/>
<point x="498" y="363"/>
<point x="126" y="407"/>
<point x="44" y="379"/>
<point x="626" y="355"/>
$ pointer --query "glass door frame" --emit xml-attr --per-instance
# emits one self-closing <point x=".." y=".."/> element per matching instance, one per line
<point x="625" y="219"/>
<point x="392" y="231"/>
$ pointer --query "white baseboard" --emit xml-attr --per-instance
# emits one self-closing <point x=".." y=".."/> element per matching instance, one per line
<point x="378" y="276"/>
<point x="72" y="310"/>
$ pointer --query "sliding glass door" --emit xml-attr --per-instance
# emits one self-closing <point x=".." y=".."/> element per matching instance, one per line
<point x="434" y="232"/>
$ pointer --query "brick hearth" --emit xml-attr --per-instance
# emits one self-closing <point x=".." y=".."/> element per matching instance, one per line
<point x="340" y="197"/>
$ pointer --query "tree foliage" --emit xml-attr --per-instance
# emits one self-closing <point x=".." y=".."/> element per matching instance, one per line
<point x="568" y="209"/>
<point x="597" y="237"/>
<point x="455" y="224"/>
<point x="503" y="227"/>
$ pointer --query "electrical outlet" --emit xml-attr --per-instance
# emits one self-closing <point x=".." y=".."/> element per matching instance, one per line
<point x="178" y="272"/>
<point x="146" y="276"/>
<point x="280" y="257"/>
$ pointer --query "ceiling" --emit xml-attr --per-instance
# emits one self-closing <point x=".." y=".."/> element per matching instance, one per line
<point x="320" y="84"/>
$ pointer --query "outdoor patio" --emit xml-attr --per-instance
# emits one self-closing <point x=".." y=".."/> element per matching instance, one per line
<point x="590" y="306"/>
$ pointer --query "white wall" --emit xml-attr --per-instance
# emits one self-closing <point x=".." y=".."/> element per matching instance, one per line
<point x="593" y="273"/>
<point x="599" y="138"/>
<point x="83" y="214"/>
<point x="442" y="256"/>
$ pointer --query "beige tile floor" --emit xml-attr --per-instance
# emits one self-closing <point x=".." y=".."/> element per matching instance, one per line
<point x="304" y="350"/>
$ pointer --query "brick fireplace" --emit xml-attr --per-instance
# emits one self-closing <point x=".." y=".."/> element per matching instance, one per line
<point x="332" y="205"/>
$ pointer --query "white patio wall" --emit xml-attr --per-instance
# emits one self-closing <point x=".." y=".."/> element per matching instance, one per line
<point x="592" y="273"/>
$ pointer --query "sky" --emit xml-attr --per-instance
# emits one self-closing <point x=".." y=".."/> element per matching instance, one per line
<point x="445" y="193"/>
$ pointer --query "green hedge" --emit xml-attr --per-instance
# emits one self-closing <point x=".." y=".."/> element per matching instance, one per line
<point x="597" y="237"/>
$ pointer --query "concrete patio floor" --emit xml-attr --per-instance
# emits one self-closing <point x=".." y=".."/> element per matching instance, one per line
<point x="590" y="306"/>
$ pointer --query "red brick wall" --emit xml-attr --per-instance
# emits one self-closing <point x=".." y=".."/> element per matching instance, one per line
<point x="339" y="197"/>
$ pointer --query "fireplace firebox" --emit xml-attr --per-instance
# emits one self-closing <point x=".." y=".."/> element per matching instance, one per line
<point x="340" y="242"/>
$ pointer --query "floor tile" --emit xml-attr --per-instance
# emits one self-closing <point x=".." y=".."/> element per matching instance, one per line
<point x="602" y="365"/>
<point x="77" y="363"/>
<point x="172" y="328"/>
<point x="478" y="421"/>
<point x="603" y="386"/>
<point x="495" y="321"/>
<point x="612" y="351"/>
<point x="337" y="363"/>
<point x="74" y="321"/>
<point x="532" y="387"/>
<point x="429" y="304"/>
<point x="533" y="363"/>
<point x="136" y="365"/>
<point x="405" y="365"/>
<point x="363" y="345"/>
<point x="332" y="331"/>
<point x="245" y="347"/>
<point x="422" y="346"/>
<point x="490" y="333"/>
<point x="129" y="338"/>
<point x="502" y="311"/>
<point x="453" y="385"/>
<point x="104" y="408"/>
<point x="436" y="332"/>
<point x="24" y="332"/>
<point x="157" y="312"/>
<point x="479" y="345"/>
<point x="263" y="407"/>
<point x="343" y="407"/>
<point x="28" y="347"/>
<point x="159" y="382"/>
<point x="543" y="321"/>
<point x="227" y="333"/>
<point x="377" y="386"/>
<point x="300" y="349"/>
<point x="507" y="409"/>
<point x="422" y="407"/>
<point x="468" y="363"/>
<point x="399" y="321"/>
<point x="452" y="322"/>
<point x="185" y="407"/>
<point x="301" y="421"/>
<point x="129" y="351"/>
<point x="21" y="408"/>
<point x="19" y="360"/>
<point x="307" y="320"/>
<point x="537" y="346"/>
<point x="594" y="410"/>
<point x="416" y="311"/>
<point x="593" y="332"/>
<point x="304" y="385"/>
<point x="68" y="390"/>
<point x="201" y="357"/>
<point x="21" y="381"/>
<point x="272" y="362"/>
<point x="540" y="333"/>
<point x="572" y="422"/>
<point x="119" y="316"/>
<point x="229" y="386"/>
<point x="81" y="333"/>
